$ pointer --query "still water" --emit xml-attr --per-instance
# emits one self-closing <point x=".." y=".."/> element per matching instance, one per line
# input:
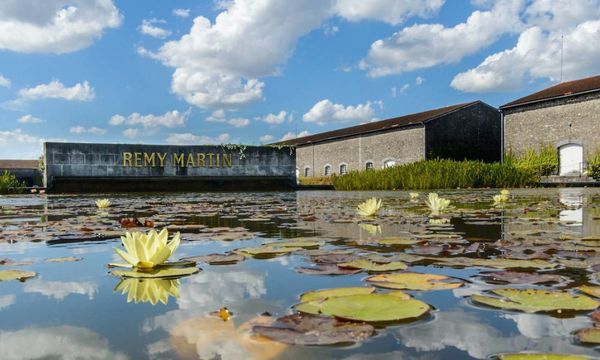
<point x="74" y="309"/>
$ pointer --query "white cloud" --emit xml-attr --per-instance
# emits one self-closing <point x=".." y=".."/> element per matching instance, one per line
<point x="81" y="130"/>
<point x="537" y="53"/>
<point x="7" y="300"/>
<point x="15" y="144"/>
<point x="182" y="13"/>
<point x="212" y="65"/>
<point x="192" y="139"/>
<point x="419" y="80"/>
<point x="390" y="11"/>
<point x="275" y="119"/>
<point x="220" y="117"/>
<point x="427" y="45"/>
<point x="325" y="111"/>
<point x="170" y="119"/>
<point x="330" y="30"/>
<point x="266" y="138"/>
<point x="290" y="135"/>
<point x="57" y="342"/>
<point x="56" y="90"/>
<point x="60" y="289"/>
<point x="149" y="28"/>
<point x="131" y="133"/>
<point x="54" y="26"/>
<point x="4" y="82"/>
<point x="395" y="91"/>
<point x="30" y="119"/>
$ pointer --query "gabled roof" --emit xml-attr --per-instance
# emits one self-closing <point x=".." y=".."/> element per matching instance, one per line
<point x="382" y="125"/>
<point x="18" y="164"/>
<point x="564" y="89"/>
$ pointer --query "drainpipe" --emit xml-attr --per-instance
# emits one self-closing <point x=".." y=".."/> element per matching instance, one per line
<point x="313" y="159"/>
<point x="501" y="136"/>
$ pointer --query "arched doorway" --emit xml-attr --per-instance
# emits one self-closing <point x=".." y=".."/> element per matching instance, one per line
<point x="570" y="159"/>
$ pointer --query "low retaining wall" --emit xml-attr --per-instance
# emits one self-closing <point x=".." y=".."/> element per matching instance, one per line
<point x="79" y="167"/>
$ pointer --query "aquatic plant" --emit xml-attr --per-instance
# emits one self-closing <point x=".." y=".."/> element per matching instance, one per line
<point x="103" y="203"/>
<point x="436" y="204"/>
<point x="145" y="251"/>
<point x="540" y="162"/>
<point x="500" y="199"/>
<point x="437" y="174"/>
<point x="505" y="192"/>
<point x="413" y="195"/>
<point x="369" y="207"/>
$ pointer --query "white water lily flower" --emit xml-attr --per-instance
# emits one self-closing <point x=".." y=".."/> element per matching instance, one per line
<point x="413" y="195"/>
<point x="146" y="251"/>
<point x="436" y="204"/>
<point x="369" y="207"/>
<point x="103" y="203"/>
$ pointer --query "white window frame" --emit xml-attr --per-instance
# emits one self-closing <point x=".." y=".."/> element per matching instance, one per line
<point x="325" y="170"/>
<point x="345" y="165"/>
<point x="386" y="161"/>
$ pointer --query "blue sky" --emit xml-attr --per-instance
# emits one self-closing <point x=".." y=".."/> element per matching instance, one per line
<point x="190" y="72"/>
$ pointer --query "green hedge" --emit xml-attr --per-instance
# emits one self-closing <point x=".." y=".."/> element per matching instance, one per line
<point x="438" y="174"/>
<point x="542" y="162"/>
<point x="10" y="184"/>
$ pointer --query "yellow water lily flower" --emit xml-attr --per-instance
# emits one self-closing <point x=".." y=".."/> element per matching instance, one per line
<point x="149" y="290"/>
<point x="146" y="251"/>
<point x="500" y="199"/>
<point x="439" y="221"/>
<point x="369" y="207"/>
<point x="436" y="204"/>
<point x="413" y="195"/>
<point x="504" y="192"/>
<point x="371" y="229"/>
<point x="103" y="203"/>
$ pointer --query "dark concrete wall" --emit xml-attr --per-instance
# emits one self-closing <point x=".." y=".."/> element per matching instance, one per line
<point x="471" y="133"/>
<point x="30" y="177"/>
<point x="90" y="167"/>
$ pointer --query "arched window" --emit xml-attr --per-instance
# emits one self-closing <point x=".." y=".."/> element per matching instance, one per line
<point x="327" y="170"/>
<point x="307" y="171"/>
<point x="369" y="165"/>
<point x="389" y="163"/>
<point x="342" y="169"/>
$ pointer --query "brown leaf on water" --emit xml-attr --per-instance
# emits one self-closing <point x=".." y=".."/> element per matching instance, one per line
<point x="326" y="269"/>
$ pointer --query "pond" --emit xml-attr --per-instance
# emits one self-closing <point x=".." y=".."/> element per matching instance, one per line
<point x="75" y="307"/>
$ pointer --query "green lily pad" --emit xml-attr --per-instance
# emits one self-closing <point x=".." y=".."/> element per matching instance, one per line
<point x="268" y="250"/>
<point x="327" y="293"/>
<point x="372" y="266"/>
<point x="64" y="259"/>
<point x="590" y="290"/>
<point x="535" y="300"/>
<point x="540" y="357"/>
<point x="373" y="307"/>
<point x="590" y="335"/>
<point x="305" y="244"/>
<point x="160" y="272"/>
<point x="6" y="275"/>
<point x="216" y="259"/>
<point x="414" y="281"/>
<point x="398" y="241"/>
<point x="497" y="263"/>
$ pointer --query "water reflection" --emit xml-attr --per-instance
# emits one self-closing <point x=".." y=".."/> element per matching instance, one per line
<point x="148" y="290"/>
<point x="58" y="342"/>
<point x="476" y="335"/>
<point x="60" y="289"/>
<point x="7" y="300"/>
<point x="573" y="199"/>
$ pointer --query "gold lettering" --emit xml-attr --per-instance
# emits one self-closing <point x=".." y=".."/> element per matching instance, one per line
<point x="149" y="160"/>
<point x="210" y="159"/>
<point x="161" y="159"/>
<point x="190" y="160"/>
<point x="201" y="162"/>
<point x="218" y="160"/>
<point x="127" y="159"/>
<point x="227" y="160"/>
<point x="137" y="159"/>
<point x="178" y="160"/>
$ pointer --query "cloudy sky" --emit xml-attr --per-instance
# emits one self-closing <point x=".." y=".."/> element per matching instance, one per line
<point x="257" y="71"/>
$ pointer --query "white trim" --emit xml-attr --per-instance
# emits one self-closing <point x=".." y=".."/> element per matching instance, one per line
<point x="325" y="170"/>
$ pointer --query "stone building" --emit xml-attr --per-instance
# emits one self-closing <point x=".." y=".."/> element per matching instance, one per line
<point x="464" y="131"/>
<point x="565" y="116"/>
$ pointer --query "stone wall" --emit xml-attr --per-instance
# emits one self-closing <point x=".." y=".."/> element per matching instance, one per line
<point x="548" y="123"/>
<point x="404" y="146"/>
<point x="165" y="167"/>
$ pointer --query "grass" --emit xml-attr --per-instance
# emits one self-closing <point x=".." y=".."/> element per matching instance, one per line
<point x="541" y="162"/>
<point x="9" y="183"/>
<point x="438" y="174"/>
<point x="315" y="180"/>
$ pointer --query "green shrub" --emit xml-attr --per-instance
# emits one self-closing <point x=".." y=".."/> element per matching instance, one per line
<point x="541" y="162"/>
<point x="593" y="165"/>
<point x="437" y="174"/>
<point x="9" y="183"/>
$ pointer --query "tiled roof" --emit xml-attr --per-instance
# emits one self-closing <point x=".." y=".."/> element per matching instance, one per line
<point x="382" y="125"/>
<point x="569" y="88"/>
<point x="18" y="164"/>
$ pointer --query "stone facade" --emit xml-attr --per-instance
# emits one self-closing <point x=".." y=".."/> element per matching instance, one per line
<point x="569" y="120"/>
<point x="77" y="167"/>
<point x="402" y="146"/>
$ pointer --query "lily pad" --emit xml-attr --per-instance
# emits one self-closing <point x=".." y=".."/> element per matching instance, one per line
<point x="327" y="293"/>
<point x="540" y="357"/>
<point x="326" y="269"/>
<point x="535" y="300"/>
<point x="268" y="250"/>
<point x="515" y="277"/>
<point x="216" y="259"/>
<point x="414" y="281"/>
<point x="368" y="265"/>
<point x="371" y="307"/>
<point x="160" y="272"/>
<point x="305" y="244"/>
<point x="590" y="290"/>
<point x="302" y="329"/>
<point x="590" y="335"/>
<point x="6" y="275"/>
<point x="399" y="241"/>
<point x="64" y="259"/>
